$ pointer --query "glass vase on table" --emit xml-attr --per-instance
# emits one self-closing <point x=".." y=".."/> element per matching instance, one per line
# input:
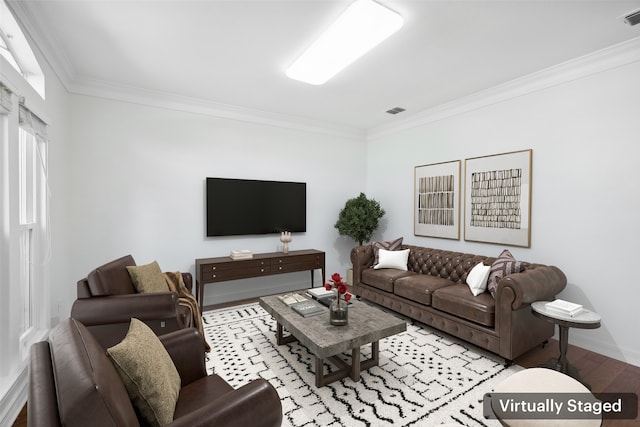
<point x="338" y="309"/>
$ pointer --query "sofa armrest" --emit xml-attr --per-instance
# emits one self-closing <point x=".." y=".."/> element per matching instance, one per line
<point x="256" y="404"/>
<point x="536" y="283"/>
<point x="43" y="405"/>
<point x="121" y="308"/>
<point x="361" y="259"/>
<point x="187" y="352"/>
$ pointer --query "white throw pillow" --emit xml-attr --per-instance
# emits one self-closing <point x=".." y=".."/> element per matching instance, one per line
<point x="392" y="259"/>
<point x="477" y="278"/>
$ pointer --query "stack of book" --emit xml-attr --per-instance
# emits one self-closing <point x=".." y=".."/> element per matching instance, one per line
<point x="307" y="308"/>
<point x="241" y="254"/>
<point x="322" y="295"/>
<point x="563" y="307"/>
<point x="290" y="299"/>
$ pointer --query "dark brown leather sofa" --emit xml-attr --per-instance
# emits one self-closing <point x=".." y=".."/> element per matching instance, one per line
<point x="434" y="292"/>
<point x="107" y="300"/>
<point x="72" y="382"/>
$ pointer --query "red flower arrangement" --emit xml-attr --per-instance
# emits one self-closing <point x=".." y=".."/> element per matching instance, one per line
<point x="339" y="285"/>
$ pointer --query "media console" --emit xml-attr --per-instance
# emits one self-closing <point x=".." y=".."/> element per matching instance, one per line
<point x="223" y="269"/>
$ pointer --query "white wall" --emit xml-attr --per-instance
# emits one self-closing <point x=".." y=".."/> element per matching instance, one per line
<point x="586" y="192"/>
<point x="138" y="178"/>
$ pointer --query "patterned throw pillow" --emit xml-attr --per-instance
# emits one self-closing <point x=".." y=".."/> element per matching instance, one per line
<point x="392" y="245"/>
<point x="503" y="266"/>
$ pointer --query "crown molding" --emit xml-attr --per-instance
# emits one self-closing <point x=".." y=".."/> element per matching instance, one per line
<point x="137" y="95"/>
<point x="617" y="55"/>
<point x="59" y="62"/>
<point x="606" y="59"/>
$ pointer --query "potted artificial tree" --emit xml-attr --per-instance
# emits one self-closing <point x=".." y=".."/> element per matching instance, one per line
<point x="359" y="218"/>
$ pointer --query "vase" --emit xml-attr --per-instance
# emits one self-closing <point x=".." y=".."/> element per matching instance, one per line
<point x="338" y="312"/>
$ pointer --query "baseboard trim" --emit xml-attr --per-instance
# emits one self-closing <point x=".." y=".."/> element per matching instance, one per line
<point x="15" y="398"/>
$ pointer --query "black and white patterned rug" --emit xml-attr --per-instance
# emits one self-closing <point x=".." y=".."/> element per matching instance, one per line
<point x="423" y="378"/>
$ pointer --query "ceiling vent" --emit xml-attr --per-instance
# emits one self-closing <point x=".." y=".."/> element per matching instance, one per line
<point x="632" y="18"/>
<point x="396" y="110"/>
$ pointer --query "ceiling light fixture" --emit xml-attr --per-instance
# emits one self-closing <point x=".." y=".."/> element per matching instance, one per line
<point x="360" y="28"/>
<point x="632" y="18"/>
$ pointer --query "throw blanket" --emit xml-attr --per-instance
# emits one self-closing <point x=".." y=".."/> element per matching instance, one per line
<point x="176" y="284"/>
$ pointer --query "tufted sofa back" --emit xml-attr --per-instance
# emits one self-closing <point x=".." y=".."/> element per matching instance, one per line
<point x="454" y="266"/>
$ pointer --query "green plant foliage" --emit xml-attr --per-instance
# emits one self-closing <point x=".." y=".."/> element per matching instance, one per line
<point x="359" y="218"/>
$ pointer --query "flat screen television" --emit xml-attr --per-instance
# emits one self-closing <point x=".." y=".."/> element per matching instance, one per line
<point x="246" y="206"/>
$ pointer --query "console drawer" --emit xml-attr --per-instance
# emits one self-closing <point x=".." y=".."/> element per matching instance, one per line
<point x="233" y="270"/>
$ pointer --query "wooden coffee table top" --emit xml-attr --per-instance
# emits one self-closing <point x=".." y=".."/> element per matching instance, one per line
<point x="366" y="325"/>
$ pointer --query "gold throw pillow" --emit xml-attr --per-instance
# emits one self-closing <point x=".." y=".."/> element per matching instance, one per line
<point x="148" y="278"/>
<point x="148" y="373"/>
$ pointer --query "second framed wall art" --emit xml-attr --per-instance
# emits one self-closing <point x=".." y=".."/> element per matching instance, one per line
<point x="437" y="200"/>
<point x="498" y="199"/>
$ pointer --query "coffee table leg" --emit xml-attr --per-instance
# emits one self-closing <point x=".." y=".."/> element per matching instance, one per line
<point x="355" y="364"/>
<point x="352" y="370"/>
<point x="320" y="380"/>
<point x="375" y="353"/>
<point x="280" y="338"/>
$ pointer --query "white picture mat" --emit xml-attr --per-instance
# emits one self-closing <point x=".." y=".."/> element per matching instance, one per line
<point x="445" y="169"/>
<point x="518" y="160"/>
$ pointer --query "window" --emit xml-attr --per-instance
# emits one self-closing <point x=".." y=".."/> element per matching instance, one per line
<point x="15" y="48"/>
<point x="24" y="218"/>
<point x="32" y="221"/>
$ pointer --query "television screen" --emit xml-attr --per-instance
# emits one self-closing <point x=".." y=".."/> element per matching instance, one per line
<point x="242" y="206"/>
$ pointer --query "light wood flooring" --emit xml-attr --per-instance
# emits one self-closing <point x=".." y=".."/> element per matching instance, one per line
<point x="603" y="374"/>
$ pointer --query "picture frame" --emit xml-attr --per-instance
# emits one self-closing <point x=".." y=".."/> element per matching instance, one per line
<point x="498" y="199"/>
<point x="437" y="200"/>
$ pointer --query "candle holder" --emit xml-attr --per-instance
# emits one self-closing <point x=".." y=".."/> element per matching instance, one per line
<point x="285" y="238"/>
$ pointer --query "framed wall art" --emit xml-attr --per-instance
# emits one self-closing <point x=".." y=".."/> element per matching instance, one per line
<point x="437" y="200"/>
<point x="498" y="199"/>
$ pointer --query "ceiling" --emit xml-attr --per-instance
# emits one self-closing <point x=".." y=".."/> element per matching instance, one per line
<point x="232" y="54"/>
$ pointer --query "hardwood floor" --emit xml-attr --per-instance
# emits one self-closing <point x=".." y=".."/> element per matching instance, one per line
<point x="603" y="374"/>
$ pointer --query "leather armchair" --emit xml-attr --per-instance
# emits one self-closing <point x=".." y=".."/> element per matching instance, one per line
<point x="72" y="382"/>
<point x="107" y="300"/>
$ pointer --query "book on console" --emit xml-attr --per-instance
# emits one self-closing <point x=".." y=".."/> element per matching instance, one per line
<point x="307" y="308"/>
<point x="563" y="307"/>
<point x="241" y="254"/>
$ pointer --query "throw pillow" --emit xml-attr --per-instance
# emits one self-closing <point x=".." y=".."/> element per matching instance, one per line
<point x="148" y="373"/>
<point x="393" y="259"/>
<point x="504" y="265"/>
<point x="477" y="278"/>
<point x="148" y="278"/>
<point x="391" y="245"/>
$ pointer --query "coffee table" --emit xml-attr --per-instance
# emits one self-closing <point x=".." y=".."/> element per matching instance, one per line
<point x="367" y="325"/>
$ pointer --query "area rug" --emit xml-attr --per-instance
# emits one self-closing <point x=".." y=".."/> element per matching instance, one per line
<point x="424" y="378"/>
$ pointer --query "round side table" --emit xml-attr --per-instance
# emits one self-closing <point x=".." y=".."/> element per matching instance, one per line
<point x="586" y="319"/>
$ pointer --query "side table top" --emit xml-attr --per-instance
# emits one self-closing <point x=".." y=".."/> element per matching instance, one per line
<point x="585" y="319"/>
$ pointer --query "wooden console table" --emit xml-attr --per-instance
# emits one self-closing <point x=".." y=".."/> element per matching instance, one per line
<point x="222" y="269"/>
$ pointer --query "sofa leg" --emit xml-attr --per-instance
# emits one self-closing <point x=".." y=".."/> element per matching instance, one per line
<point x="508" y="363"/>
<point x="544" y="343"/>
